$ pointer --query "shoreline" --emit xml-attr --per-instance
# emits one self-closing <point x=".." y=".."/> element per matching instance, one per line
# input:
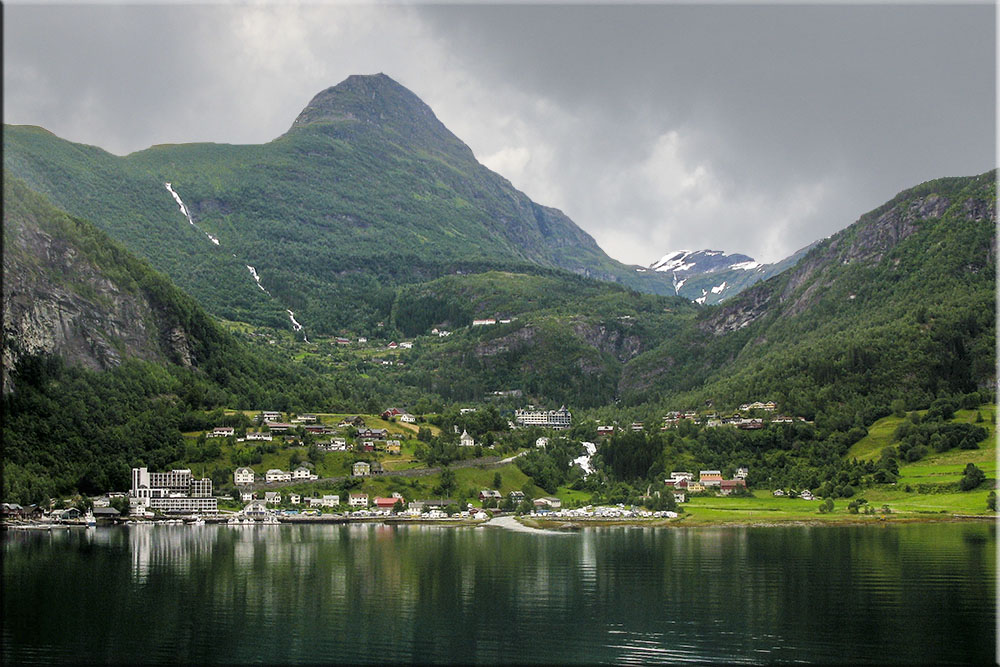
<point x="542" y="524"/>
<point x="681" y="522"/>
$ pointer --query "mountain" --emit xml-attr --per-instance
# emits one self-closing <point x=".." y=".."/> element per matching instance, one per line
<point x="71" y="292"/>
<point x="105" y="361"/>
<point x="711" y="276"/>
<point x="899" y="305"/>
<point x="365" y="192"/>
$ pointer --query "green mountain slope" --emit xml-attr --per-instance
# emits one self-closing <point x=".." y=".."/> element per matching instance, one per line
<point x="365" y="192"/>
<point x="105" y="361"/>
<point x="898" y="305"/>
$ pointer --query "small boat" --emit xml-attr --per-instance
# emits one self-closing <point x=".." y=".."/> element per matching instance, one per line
<point x="197" y="522"/>
<point x="89" y="519"/>
<point x="234" y="521"/>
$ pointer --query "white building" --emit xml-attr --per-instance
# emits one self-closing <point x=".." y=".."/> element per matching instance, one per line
<point x="358" y="500"/>
<point x="275" y="475"/>
<point x="221" y="432"/>
<point x="270" y="416"/>
<point x="467" y="440"/>
<point x="330" y="501"/>
<point x="302" y="472"/>
<point x="407" y="418"/>
<point x="272" y="498"/>
<point x="174" y="491"/>
<point x="555" y="419"/>
<point x="243" y="476"/>
<point x="259" y="436"/>
<point x="542" y="442"/>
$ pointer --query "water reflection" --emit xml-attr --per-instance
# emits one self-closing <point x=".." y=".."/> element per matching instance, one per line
<point x="375" y="593"/>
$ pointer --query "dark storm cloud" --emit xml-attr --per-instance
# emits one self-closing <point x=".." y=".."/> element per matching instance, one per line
<point x="748" y="129"/>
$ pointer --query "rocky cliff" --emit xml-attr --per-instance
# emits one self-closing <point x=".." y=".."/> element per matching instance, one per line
<point x="65" y="292"/>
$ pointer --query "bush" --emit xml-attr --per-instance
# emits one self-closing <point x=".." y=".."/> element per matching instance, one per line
<point x="971" y="478"/>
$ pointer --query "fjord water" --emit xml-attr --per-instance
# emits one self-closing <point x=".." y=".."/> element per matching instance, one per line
<point x="380" y="593"/>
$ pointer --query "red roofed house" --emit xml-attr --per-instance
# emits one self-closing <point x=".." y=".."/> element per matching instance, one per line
<point x="730" y="485"/>
<point x="385" y="503"/>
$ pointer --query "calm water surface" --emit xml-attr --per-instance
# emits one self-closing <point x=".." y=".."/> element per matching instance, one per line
<point x="374" y="593"/>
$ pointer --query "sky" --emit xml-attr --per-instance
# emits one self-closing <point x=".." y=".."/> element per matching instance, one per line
<point x="655" y="127"/>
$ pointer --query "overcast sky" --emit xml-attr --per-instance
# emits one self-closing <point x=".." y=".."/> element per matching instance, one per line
<point x="654" y="127"/>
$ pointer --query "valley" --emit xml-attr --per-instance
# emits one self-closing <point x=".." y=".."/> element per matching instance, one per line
<point x="365" y="259"/>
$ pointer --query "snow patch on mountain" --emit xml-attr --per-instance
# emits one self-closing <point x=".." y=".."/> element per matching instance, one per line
<point x="719" y="288"/>
<point x="672" y="261"/>
<point x="746" y="266"/>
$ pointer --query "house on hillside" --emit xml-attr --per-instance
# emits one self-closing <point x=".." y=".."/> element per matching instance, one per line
<point x="393" y="446"/>
<point x="490" y="494"/>
<point x="272" y="498"/>
<point x="243" y="476"/>
<point x="361" y="469"/>
<point x="347" y="422"/>
<point x="466" y="440"/>
<point x="407" y="418"/>
<point x="358" y="500"/>
<point x="221" y="432"/>
<point x="275" y="475"/>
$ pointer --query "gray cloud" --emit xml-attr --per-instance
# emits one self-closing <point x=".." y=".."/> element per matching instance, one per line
<point x="747" y="129"/>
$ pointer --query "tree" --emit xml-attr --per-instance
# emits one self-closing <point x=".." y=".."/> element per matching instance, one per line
<point x="424" y="434"/>
<point x="121" y="504"/>
<point x="497" y="480"/>
<point x="971" y="478"/>
<point x="826" y="507"/>
<point x="991" y="501"/>
<point x="447" y="484"/>
<point x="398" y="507"/>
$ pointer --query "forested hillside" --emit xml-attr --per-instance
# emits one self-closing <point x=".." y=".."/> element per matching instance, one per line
<point x="76" y="302"/>
<point x="898" y="305"/>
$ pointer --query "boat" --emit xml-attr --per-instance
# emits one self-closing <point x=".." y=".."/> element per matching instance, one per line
<point x="89" y="519"/>
<point x="234" y="521"/>
<point x="271" y="520"/>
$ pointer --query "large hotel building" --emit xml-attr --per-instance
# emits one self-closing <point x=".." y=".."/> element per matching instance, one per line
<point x="555" y="419"/>
<point x="174" y="491"/>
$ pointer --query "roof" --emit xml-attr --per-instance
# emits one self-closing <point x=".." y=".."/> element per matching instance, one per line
<point x="105" y="511"/>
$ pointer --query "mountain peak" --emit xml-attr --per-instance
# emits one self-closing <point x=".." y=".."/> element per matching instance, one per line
<point x="378" y="102"/>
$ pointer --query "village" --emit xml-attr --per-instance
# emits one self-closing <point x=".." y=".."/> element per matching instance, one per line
<point x="275" y="495"/>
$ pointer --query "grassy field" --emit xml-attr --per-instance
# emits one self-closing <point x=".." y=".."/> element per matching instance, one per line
<point x="880" y="434"/>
